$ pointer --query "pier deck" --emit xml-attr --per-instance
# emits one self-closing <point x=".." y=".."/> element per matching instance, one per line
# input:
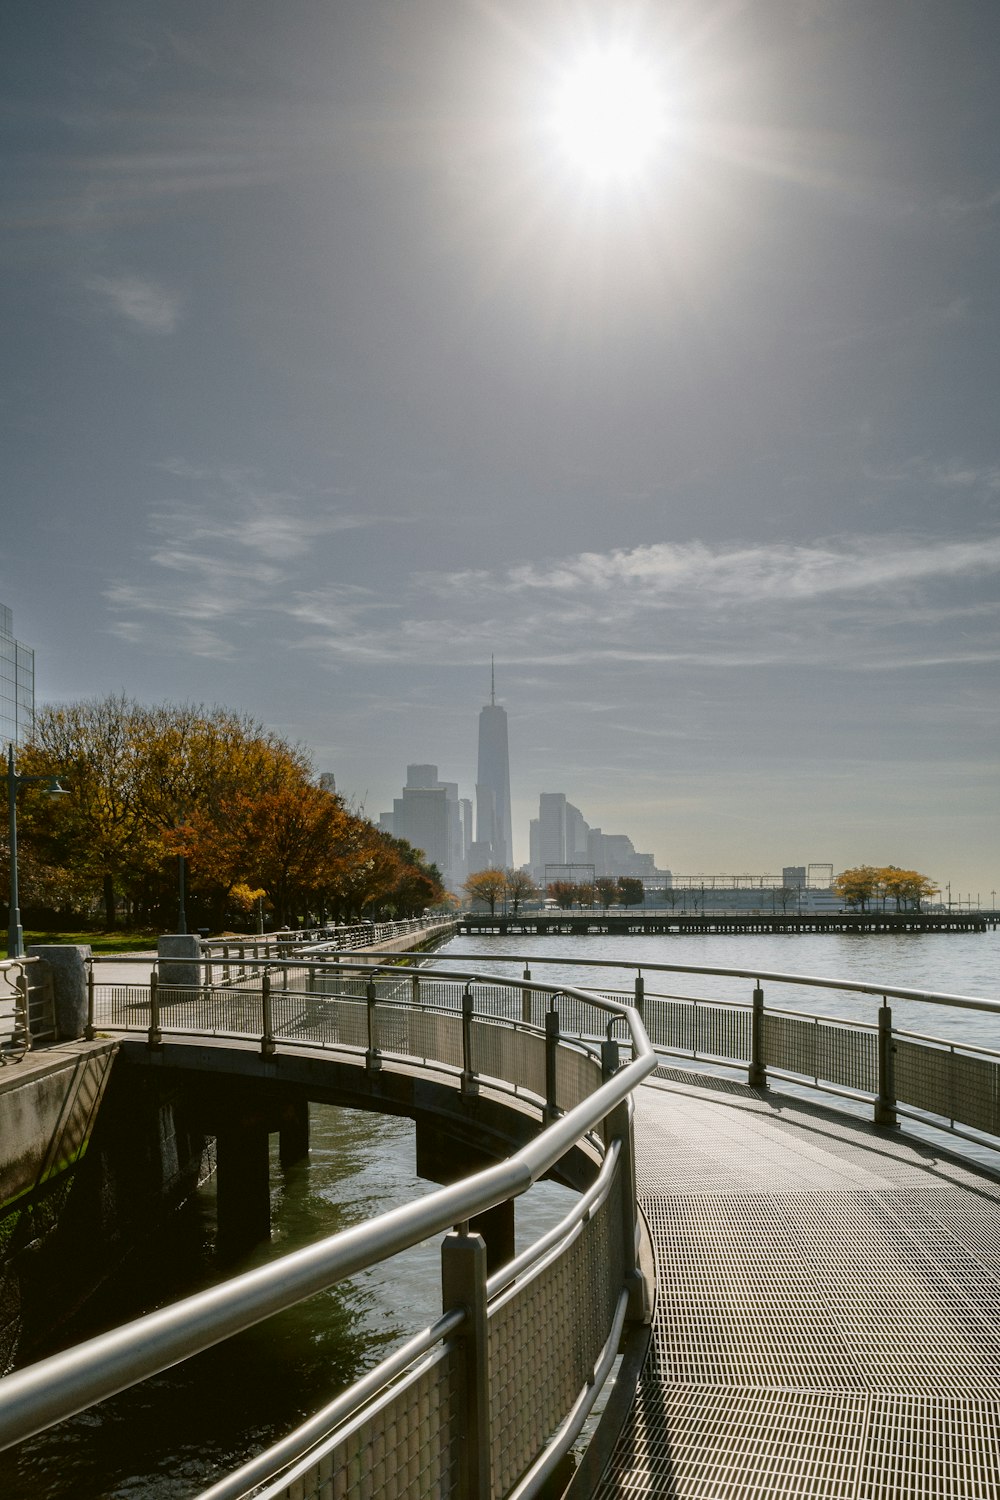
<point x="659" y="923"/>
<point x="828" y="1307"/>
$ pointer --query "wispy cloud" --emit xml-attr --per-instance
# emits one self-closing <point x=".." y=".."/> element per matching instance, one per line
<point x="142" y="301"/>
<point x="236" y="561"/>
<point x="672" y="573"/>
<point x="857" y="603"/>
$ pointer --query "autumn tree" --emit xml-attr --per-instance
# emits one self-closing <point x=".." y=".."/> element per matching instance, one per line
<point x="487" y="886"/>
<point x="100" y="830"/>
<point x="631" y="891"/>
<point x="907" y="888"/>
<point x="519" y="887"/>
<point x="563" y="893"/>
<point x="148" y="785"/>
<point x="857" y="886"/>
<point x="607" y="889"/>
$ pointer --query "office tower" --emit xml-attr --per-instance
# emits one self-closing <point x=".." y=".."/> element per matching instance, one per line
<point x="17" y="683"/>
<point x="429" y="815"/>
<point x="551" y="831"/>
<point x="493" y="782"/>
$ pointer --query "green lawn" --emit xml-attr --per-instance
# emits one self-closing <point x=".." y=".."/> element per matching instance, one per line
<point x="118" y="941"/>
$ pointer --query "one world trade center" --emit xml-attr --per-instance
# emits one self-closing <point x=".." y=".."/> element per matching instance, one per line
<point x="493" y="782"/>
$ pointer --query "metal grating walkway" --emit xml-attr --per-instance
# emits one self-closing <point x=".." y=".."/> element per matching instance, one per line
<point x="828" y="1315"/>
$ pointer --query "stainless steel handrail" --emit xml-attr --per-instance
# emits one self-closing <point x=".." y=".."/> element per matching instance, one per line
<point x="299" y="1443"/>
<point x="932" y="997"/>
<point x="35" y="1398"/>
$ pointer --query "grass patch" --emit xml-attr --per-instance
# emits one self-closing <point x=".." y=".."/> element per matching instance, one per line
<point x="118" y="941"/>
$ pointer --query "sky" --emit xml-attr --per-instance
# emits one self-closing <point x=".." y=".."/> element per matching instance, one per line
<point x="332" y="366"/>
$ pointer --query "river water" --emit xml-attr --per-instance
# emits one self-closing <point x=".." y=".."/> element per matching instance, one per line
<point x="172" y="1436"/>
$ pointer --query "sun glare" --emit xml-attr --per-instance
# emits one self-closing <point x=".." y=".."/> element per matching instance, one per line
<point x="608" y="117"/>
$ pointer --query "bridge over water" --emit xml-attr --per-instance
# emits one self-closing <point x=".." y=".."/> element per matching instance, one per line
<point x="786" y="1293"/>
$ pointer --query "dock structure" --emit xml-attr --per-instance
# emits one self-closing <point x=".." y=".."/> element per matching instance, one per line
<point x="827" y="1319"/>
<point x="662" y="923"/>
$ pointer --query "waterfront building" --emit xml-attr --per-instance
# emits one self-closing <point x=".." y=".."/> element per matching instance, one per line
<point x="17" y="683"/>
<point x="493" y="823"/>
<point x="561" y="836"/>
<point x="430" y="815"/>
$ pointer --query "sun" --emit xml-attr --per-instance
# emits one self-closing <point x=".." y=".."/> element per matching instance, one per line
<point x="608" y="116"/>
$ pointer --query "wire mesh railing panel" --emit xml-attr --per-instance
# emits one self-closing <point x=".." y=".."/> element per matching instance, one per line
<point x="699" y="1029"/>
<point x="446" y="994"/>
<point x="125" y="1007"/>
<point x="409" y="1446"/>
<point x="500" y="1000"/>
<point x="841" y="1055"/>
<point x="235" y="1012"/>
<point x="518" y="1057"/>
<point x="580" y="1018"/>
<point x="428" y="1035"/>
<point x="435" y="1038"/>
<point x="961" y="1088"/>
<point x="317" y="1018"/>
<point x="578" y="1074"/>
<point x="332" y="982"/>
<point x="563" y="1313"/>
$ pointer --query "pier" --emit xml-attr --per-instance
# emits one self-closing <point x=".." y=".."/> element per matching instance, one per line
<point x="640" y="923"/>
<point x="797" y="1265"/>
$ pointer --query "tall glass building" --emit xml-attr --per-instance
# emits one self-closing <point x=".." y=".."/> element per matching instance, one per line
<point x="17" y="683"/>
<point x="493" y="825"/>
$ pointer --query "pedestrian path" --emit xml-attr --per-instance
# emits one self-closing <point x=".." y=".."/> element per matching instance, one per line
<point x="828" y="1307"/>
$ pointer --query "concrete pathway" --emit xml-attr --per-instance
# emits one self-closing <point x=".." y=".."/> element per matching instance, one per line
<point x="828" y="1309"/>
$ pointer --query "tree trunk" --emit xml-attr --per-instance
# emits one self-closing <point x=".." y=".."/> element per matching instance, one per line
<point x="109" y="901"/>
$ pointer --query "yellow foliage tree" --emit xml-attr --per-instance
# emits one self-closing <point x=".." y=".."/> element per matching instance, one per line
<point x="487" y="886"/>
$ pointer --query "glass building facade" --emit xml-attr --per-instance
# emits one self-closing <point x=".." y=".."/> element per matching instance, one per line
<point x="17" y="684"/>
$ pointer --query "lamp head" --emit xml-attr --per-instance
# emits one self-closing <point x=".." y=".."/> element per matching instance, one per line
<point x="55" y="790"/>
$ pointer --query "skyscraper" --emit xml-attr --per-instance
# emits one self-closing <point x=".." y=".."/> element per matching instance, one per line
<point x="493" y="782"/>
<point x="17" y="683"/>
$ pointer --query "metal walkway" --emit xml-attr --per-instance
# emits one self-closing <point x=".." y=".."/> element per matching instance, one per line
<point x="828" y="1314"/>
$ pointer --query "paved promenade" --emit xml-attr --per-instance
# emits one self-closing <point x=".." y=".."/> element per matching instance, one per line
<point x="828" y="1316"/>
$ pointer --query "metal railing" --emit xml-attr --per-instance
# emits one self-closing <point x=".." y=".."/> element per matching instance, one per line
<point x="15" y="1034"/>
<point x="461" y="1405"/>
<point x="342" y="938"/>
<point x="951" y="1084"/>
<point x="27" y="1006"/>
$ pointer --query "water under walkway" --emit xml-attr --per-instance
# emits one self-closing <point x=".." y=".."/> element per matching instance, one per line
<point x="828" y="1307"/>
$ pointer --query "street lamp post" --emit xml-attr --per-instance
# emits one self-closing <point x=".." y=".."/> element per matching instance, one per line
<point x="15" y="936"/>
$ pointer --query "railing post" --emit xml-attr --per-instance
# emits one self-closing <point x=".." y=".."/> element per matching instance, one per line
<point x="267" y="1030"/>
<point x="415" y="989"/>
<point x="640" y="993"/>
<point x="90" y="1030"/>
<point x="155" y="1036"/>
<point x="470" y="1084"/>
<point x="757" y="1074"/>
<point x="22" y="1019"/>
<point x="526" y="999"/>
<point x="618" y="1126"/>
<point x="551" y="1055"/>
<point x="463" y="1284"/>
<point x="885" y="1104"/>
<point x="610" y="1057"/>
<point x="373" y="1060"/>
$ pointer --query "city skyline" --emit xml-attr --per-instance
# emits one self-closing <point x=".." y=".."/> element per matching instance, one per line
<point x="330" y="370"/>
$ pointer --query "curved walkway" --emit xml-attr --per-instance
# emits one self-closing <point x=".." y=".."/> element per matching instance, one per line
<point x="828" y="1307"/>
